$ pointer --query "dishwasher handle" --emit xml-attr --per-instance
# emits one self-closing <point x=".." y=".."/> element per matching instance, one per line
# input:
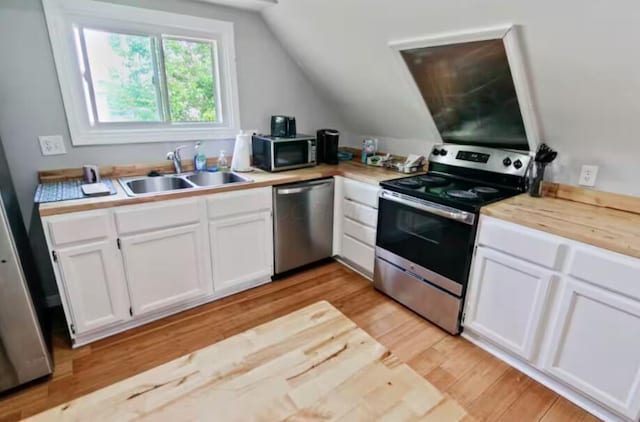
<point x="306" y="188"/>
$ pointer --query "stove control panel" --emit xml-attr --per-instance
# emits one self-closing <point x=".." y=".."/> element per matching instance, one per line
<point x="439" y="151"/>
<point x="476" y="157"/>
<point x="481" y="158"/>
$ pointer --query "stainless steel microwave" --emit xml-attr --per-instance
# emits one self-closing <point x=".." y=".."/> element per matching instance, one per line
<point x="277" y="154"/>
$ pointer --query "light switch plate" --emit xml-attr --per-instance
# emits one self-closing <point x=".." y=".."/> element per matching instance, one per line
<point x="588" y="176"/>
<point x="52" y="145"/>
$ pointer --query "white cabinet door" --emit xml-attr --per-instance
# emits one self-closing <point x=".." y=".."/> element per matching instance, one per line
<point x="166" y="267"/>
<point x="595" y="345"/>
<point x="506" y="301"/>
<point x="93" y="279"/>
<point x="241" y="249"/>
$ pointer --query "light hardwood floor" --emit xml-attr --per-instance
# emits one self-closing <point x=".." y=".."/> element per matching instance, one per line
<point x="486" y="387"/>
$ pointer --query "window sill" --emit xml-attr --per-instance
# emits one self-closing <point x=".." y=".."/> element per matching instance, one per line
<point x="111" y="137"/>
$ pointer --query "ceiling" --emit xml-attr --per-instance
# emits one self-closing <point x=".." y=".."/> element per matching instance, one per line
<point x="572" y="51"/>
<point x="243" y="4"/>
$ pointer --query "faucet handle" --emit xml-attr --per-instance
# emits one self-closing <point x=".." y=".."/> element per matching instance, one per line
<point x="170" y="155"/>
<point x="176" y="152"/>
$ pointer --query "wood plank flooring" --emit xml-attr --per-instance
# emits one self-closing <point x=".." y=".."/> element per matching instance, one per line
<point x="487" y="388"/>
<point x="311" y="364"/>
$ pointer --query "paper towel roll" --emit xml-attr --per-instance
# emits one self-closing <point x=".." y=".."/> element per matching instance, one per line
<point x="241" y="160"/>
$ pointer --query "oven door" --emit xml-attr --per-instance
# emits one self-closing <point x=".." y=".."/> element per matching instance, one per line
<point x="293" y="154"/>
<point x="436" y="238"/>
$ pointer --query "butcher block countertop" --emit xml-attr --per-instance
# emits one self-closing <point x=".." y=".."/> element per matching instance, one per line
<point x="313" y="364"/>
<point x="606" y="220"/>
<point x="351" y="169"/>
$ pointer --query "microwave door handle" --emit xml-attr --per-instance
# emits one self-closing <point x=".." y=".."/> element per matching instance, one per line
<point x="273" y="155"/>
<point x="310" y="154"/>
<point x="442" y="211"/>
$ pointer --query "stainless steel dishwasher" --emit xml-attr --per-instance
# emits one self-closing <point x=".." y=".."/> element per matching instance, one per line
<point x="303" y="223"/>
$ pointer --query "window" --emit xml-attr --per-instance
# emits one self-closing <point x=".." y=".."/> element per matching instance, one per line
<point x="136" y="75"/>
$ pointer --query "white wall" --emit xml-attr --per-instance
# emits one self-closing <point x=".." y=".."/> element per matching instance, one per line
<point x="582" y="61"/>
<point x="269" y="82"/>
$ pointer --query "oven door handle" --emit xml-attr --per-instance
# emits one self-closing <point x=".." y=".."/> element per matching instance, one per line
<point x="430" y="207"/>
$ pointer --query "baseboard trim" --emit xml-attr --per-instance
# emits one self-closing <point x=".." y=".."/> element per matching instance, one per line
<point x="573" y="396"/>
<point x="86" y="338"/>
<point x="354" y="267"/>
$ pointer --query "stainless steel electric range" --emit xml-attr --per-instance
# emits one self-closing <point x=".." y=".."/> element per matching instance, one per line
<point x="480" y="106"/>
<point x="427" y="226"/>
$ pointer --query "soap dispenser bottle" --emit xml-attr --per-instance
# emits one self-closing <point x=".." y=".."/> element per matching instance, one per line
<point x="223" y="162"/>
<point x="199" y="159"/>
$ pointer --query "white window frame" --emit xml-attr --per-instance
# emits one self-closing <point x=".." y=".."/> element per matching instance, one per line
<point x="63" y="15"/>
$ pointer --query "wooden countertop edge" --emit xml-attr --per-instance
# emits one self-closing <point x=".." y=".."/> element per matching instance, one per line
<point x="605" y="229"/>
<point x="597" y="198"/>
<point x="355" y="173"/>
<point x="603" y="242"/>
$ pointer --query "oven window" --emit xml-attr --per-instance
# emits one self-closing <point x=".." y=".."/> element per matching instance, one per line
<point x="436" y="243"/>
<point x="291" y="153"/>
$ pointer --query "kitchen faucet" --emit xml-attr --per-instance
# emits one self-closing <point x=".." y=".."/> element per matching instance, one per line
<point x="177" y="159"/>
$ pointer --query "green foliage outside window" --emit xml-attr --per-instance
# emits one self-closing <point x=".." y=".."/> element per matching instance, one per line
<point x="131" y="93"/>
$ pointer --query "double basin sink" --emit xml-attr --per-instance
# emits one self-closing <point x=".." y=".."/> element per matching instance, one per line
<point x="149" y="185"/>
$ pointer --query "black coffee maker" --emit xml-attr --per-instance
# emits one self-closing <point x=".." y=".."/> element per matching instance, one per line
<point x="327" y="146"/>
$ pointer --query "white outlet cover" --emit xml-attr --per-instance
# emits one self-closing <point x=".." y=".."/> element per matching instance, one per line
<point x="52" y="145"/>
<point x="588" y="175"/>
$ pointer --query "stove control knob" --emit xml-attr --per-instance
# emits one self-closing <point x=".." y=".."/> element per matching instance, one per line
<point x="506" y="162"/>
<point x="436" y="151"/>
<point x="443" y="152"/>
<point x="517" y="164"/>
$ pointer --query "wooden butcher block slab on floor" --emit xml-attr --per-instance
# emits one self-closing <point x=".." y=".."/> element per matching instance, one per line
<point x="313" y="364"/>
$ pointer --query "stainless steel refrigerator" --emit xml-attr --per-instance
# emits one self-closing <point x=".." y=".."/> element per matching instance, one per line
<point x="24" y="355"/>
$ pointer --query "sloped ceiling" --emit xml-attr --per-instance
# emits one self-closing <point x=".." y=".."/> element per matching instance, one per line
<point x="581" y="56"/>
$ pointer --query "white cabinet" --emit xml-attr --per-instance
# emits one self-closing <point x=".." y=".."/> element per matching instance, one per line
<point x="506" y="301"/>
<point x="566" y="312"/>
<point x="88" y="270"/>
<point x="122" y="267"/>
<point x="165" y="253"/>
<point x="241" y="237"/>
<point x="241" y="249"/>
<point x="356" y="221"/>
<point x="166" y="267"/>
<point x="595" y="345"/>
<point x="522" y="242"/>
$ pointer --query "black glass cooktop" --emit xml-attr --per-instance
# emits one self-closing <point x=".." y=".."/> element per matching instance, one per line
<point x="453" y="191"/>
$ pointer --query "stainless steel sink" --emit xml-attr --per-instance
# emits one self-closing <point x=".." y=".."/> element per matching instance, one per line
<point x="145" y="186"/>
<point x="214" y="179"/>
<point x="156" y="184"/>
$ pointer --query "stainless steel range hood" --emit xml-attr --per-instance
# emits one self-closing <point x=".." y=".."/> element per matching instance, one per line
<point x="474" y="87"/>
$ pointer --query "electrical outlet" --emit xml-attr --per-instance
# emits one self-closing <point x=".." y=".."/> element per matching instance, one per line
<point x="588" y="175"/>
<point x="52" y="145"/>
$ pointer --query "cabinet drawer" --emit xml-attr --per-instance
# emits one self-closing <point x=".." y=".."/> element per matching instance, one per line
<point x="239" y="202"/>
<point x="530" y="245"/>
<point x="607" y="269"/>
<point x="147" y="217"/>
<point x="361" y="213"/>
<point x="361" y="192"/>
<point x="79" y="227"/>
<point x="360" y="231"/>
<point x="358" y="253"/>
